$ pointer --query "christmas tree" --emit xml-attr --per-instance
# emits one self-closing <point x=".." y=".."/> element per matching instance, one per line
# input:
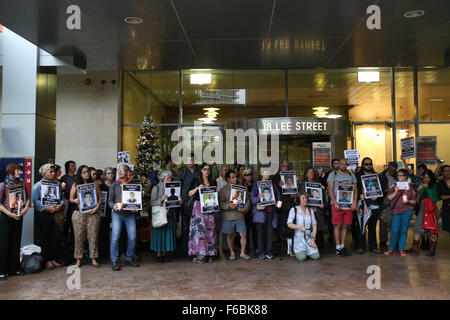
<point x="148" y="150"/>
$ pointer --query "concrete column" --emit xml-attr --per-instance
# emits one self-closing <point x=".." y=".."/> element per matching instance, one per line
<point x="28" y="110"/>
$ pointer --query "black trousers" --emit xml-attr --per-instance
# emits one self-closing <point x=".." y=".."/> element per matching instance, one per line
<point x="68" y="233"/>
<point x="10" y="239"/>
<point x="104" y="237"/>
<point x="252" y="238"/>
<point x="372" y="232"/>
<point x="49" y="236"/>
<point x="185" y="221"/>
<point x="265" y="233"/>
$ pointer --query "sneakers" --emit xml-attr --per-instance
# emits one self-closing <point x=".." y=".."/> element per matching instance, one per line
<point x="403" y="253"/>
<point x="262" y="256"/>
<point x="342" y="252"/>
<point x="388" y="253"/>
<point x="269" y="256"/>
<point x="115" y="266"/>
<point x="232" y="257"/>
<point x="3" y="277"/>
<point x="245" y="257"/>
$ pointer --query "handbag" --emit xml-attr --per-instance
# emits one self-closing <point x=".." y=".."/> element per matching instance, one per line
<point x="159" y="216"/>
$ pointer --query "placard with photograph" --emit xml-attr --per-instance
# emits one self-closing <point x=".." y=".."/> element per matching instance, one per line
<point x="50" y="196"/>
<point x="371" y="185"/>
<point x="345" y="195"/>
<point x="238" y="195"/>
<point x="173" y="191"/>
<point x="132" y="197"/>
<point x="403" y="185"/>
<point x="314" y="191"/>
<point x="289" y="180"/>
<point x="118" y="167"/>
<point x="123" y="157"/>
<point x="209" y="200"/>
<point x="352" y="157"/>
<point x="88" y="197"/>
<point x="103" y="204"/>
<point x="266" y="189"/>
<point x="16" y="198"/>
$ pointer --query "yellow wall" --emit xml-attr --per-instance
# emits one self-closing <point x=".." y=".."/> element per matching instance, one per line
<point x="373" y="146"/>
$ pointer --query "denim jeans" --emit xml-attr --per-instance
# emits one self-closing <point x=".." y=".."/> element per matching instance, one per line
<point x="130" y="225"/>
<point x="399" y="225"/>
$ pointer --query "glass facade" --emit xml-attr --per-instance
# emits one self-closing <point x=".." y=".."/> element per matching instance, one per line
<point x="398" y="103"/>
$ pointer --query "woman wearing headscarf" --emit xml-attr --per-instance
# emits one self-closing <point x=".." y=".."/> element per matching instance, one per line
<point x="163" y="239"/>
<point x="47" y="228"/>
<point x="85" y="224"/>
<point x="11" y="225"/>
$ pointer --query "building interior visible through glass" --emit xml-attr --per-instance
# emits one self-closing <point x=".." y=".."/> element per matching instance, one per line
<point x="218" y="97"/>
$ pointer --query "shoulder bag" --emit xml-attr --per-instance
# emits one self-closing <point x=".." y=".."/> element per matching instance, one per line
<point x="159" y="215"/>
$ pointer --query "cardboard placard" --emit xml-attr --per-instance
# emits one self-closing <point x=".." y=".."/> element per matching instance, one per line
<point x="88" y="197"/>
<point x="289" y="180"/>
<point x="209" y="199"/>
<point x="314" y="191"/>
<point x="266" y="189"/>
<point x="173" y="191"/>
<point x="50" y="196"/>
<point x="345" y="195"/>
<point x="371" y="186"/>
<point x="15" y="198"/>
<point x="352" y="157"/>
<point x="238" y="195"/>
<point x="131" y="197"/>
<point x="408" y="148"/>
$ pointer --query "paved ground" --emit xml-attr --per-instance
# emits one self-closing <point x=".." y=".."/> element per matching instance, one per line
<point x="411" y="277"/>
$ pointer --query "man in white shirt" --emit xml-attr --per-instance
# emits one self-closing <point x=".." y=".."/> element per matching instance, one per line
<point x="221" y="182"/>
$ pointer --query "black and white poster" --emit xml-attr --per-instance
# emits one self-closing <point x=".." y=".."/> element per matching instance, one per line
<point x="371" y="185"/>
<point x="289" y="181"/>
<point x="123" y="157"/>
<point x="266" y="189"/>
<point x="408" y="148"/>
<point x="103" y="204"/>
<point x="345" y="195"/>
<point x="314" y="191"/>
<point x="50" y="196"/>
<point x="209" y="199"/>
<point x="173" y="191"/>
<point x="88" y="197"/>
<point x="238" y="195"/>
<point x="16" y="198"/>
<point x="352" y="157"/>
<point x="131" y="197"/>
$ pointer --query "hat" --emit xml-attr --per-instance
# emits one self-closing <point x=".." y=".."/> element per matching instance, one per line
<point x="247" y="171"/>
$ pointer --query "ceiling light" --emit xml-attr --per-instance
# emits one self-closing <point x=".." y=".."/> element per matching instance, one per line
<point x="414" y="14"/>
<point x="211" y="109"/>
<point x="207" y="120"/>
<point x="333" y="116"/>
<point x="133" y="20"/>
<point x="402" y="133"/>
<point x="368" y="76"/>
<point x="320" y="108"/>
<point x="200" y="78"/>
<point x="436" y="100"/>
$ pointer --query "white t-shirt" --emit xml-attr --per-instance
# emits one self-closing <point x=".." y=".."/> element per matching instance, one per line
<point x="304" y="219"/>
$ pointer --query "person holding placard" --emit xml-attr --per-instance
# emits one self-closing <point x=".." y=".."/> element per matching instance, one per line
<point x="105" y="220"/>
<point x="120" y="217"/>
<point x="302" y="220"/>
<point x="265" y="217"/>
<point x="85" y="224"/>
<point x="428" y="196"/>
<point x="247" y="176"/>
<point x="387" y="179"/>
<point x="47" y="229"/>
<point x="374" y="204"/>
<point x="202" y="237"/>
<point x="311" y="176"/>
<point x="163" y="239"/>
<point x="11" y="224"/>
<point x="341" y="218"/>
<point x="233" y="217"/>
<point x="444" y="194"/>
<point x="402" y="202"/>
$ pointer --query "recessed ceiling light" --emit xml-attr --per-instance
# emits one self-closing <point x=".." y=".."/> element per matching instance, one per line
<point x="133" y="20"/>
<point x="414" y="14"/>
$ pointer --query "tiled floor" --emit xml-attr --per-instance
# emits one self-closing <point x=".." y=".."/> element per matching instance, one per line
<point x="411" y="277"/>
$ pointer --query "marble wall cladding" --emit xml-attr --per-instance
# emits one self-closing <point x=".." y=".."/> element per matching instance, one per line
<point x="87" y="118"/>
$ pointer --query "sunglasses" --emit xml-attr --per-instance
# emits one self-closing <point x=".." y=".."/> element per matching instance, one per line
<point x="367" y="164"/>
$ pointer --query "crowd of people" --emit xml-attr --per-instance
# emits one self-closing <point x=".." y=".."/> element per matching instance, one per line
<point x="250" y="229"/>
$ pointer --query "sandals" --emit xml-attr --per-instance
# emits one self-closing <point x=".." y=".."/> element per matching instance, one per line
<point x="78" y="264"/>
<point x="194" y="260"/>
<point x="210" y="259"/>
